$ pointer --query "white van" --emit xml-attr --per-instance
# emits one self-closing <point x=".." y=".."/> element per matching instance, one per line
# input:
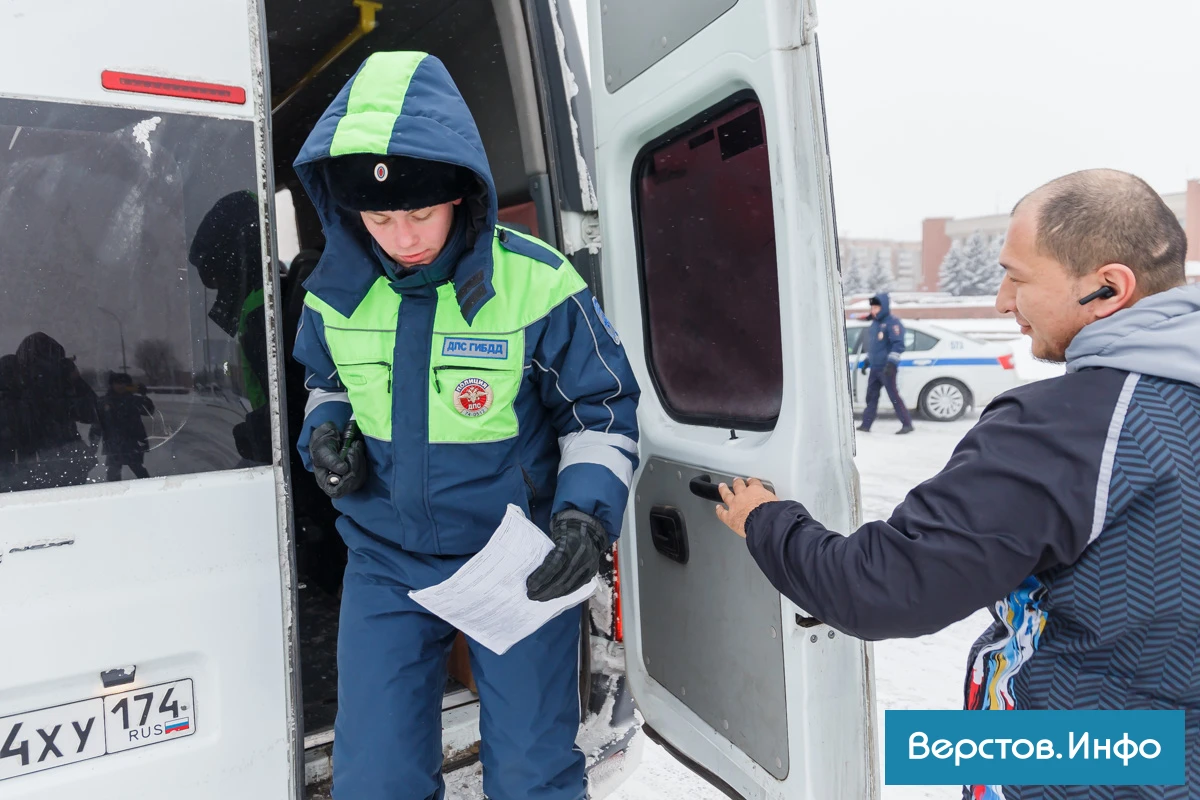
<point x="168" y="578"/>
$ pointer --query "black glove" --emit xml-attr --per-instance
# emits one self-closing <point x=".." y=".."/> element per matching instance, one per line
<point x="579" y="539"/>
<point x="863" y="369"/>
<point x="338" y="474"/>
<point x="891" y="369"/>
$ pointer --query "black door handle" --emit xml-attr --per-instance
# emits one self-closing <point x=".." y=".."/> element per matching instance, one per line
<point x="703" y="487"/>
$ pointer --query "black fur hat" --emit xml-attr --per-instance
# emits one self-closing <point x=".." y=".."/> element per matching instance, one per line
<point x="365" y="182"/>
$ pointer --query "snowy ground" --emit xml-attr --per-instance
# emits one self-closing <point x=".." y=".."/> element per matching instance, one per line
<point x="924" y="673"/>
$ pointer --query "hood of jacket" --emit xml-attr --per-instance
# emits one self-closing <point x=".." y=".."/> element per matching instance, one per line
<point x="400" y="104"/>
<point x="885" y="305"/>
<point x="1159" y="335"/>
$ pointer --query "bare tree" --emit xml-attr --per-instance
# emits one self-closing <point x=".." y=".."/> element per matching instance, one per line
<point x="156" y="358"/>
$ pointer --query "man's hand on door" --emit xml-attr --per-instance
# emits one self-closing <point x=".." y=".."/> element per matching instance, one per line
<point x="744" y="497"/>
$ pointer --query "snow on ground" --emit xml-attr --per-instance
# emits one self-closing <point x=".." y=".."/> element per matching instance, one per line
<point x="929" y="672"/>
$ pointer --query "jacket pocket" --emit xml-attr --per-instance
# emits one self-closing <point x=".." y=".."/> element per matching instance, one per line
<point x="473" y="403"/>
<point x="369" y="385"/>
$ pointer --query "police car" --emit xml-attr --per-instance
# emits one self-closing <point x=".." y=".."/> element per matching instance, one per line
<point x="942" y="373"/>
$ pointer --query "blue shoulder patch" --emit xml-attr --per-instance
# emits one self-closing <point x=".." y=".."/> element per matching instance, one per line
<point x="608" y="326"/>
<point x="530" y="248"/>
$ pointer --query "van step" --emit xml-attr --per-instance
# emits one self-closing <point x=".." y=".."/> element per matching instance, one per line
<point x="460" y="742"/>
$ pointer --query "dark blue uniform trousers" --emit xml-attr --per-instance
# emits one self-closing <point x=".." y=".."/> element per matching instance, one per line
<point x="883" y="378"/>
<point x="392" y="657"/>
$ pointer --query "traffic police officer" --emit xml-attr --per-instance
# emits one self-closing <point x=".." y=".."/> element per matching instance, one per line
<point x="481" y="372"/>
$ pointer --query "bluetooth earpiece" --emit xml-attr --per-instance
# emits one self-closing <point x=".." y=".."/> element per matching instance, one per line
<point x="1105" y="292"/>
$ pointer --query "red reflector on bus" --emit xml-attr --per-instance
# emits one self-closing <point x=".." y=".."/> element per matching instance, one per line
<point x="618" y="625"/>
<point x="171" y="87"/>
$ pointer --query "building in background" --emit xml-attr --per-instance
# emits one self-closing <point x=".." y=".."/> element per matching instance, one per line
<point x="939" y="234"/>
<point x="902" y="260"/>
<point x="918" y="267"/>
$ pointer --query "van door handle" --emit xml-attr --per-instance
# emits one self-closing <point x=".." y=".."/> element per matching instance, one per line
<point x="703" y="487"/>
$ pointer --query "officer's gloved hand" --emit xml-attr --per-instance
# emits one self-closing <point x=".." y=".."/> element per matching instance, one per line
<point x="579" y="539"/>
<point x="891" y="369"/>
<point x="337" y="476"/>
<point x="863" y="368"/>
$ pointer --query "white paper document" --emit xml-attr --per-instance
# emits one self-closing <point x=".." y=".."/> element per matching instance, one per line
<point x="486" y="598"/>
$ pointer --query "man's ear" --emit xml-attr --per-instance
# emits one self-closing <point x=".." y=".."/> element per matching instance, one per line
<point x="1123" y="283"/>
<point x="457" y="202"/>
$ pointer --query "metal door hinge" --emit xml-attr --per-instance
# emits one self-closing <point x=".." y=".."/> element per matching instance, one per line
<point x="580" y="232"/>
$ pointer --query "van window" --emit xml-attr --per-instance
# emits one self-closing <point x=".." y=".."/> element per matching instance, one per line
<point x="132" y="330"/>
<point x="917" y="341"/>
<point x="853" y="336"/>
<point x="710" y="287"/>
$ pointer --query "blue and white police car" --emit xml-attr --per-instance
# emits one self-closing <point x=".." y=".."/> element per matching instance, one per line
<point x="942" y="373"/>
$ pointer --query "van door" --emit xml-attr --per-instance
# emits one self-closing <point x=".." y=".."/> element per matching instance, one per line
<point x="145" y="575"/>
<point x="720" y="274"/>
<point x="856" y="347"/>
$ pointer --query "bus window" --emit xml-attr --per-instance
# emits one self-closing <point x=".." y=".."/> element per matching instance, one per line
<point x="132" y="330"/>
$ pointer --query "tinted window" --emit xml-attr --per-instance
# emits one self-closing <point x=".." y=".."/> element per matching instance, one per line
<point x="132" y="334"/>
<point x="709" y="281"/>
<point x="853" y="335"/>
<point x="916" y="341"/>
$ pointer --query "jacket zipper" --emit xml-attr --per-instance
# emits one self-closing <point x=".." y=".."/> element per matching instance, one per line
<point x="375" y="364"/>
<point x="437" y="384"/>
<point x="529" y="485"/>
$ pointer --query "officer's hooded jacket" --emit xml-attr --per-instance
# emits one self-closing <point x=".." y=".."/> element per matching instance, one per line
<point x="885" y="337"/>
<point x="1071" y="510"/>
<point x="489" y="377"/>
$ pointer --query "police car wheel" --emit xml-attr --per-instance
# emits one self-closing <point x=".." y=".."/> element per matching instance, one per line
<point x="944" y="400"/>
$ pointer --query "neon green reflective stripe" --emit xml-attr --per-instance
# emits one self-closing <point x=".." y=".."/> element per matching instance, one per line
<point x="473" y="398"/>
<point x="374" y="104"/>
<point x="476" y="370"/>
<point x="526" y="291"/>
<point x="256" y="393"/>
<point x="362" y="346"/>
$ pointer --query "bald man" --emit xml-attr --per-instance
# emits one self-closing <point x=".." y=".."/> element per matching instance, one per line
<point x="1071" y="510"/>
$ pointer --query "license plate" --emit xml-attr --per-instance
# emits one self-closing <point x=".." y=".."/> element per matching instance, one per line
<point x="54" y="737"/>
<point x="148" y="716"/>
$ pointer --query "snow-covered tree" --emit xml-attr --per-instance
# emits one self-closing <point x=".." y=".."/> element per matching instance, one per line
<point x="979" y="267"/>
<point x="952" y="275"/>
<point x="993" y="273"/>
<point x="880" y="277"/>
<point x="852" y="277"/>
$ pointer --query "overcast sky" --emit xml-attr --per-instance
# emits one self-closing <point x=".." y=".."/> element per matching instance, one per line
<point x="959" y="107"/>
